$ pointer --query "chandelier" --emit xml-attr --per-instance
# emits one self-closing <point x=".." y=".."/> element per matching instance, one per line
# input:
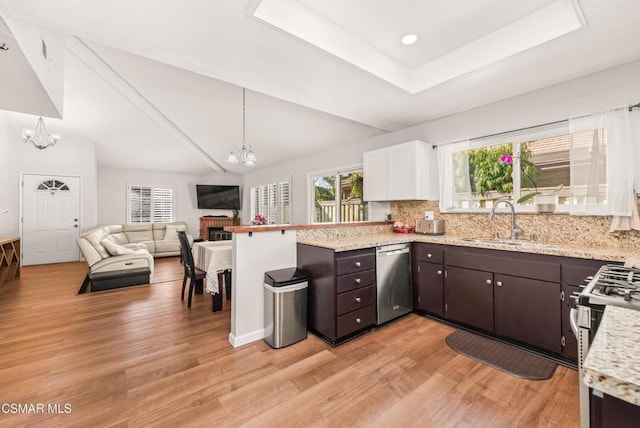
<point x="40" y="137"/>
<point x="245" y="154"/>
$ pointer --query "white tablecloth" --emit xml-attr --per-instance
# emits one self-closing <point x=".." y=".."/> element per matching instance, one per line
<point x="212" y="257"/>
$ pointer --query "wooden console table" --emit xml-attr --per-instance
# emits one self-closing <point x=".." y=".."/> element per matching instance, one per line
<point x="9" y="260"/>
<point x="215" y="222"/>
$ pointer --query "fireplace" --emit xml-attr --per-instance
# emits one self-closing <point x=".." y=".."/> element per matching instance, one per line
<point x="218" y="234"/>
<point x="212" y="228"/>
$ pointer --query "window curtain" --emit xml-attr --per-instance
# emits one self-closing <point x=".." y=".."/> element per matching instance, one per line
<point x="602" y="166"/>
<point x="453" y="169"/>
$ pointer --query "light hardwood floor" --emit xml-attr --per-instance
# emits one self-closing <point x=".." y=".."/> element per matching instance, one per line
<point x="138" y="357"/>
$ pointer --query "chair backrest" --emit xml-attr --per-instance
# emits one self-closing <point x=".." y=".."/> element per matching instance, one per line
<point x="185" y="248"/>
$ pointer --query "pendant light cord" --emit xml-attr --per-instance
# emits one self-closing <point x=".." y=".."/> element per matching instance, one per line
<point x="244" y="132"/>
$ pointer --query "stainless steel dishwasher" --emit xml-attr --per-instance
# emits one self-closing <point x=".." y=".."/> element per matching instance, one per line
<point x="393" y="271"/>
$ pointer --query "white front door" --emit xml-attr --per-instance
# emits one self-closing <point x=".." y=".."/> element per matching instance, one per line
<point x="50" y="219"/>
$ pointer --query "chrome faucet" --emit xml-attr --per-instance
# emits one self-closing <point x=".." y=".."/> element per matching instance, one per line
<point x="515" y="230"/>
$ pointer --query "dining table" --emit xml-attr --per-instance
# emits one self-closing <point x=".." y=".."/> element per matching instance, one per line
<point x="214" y="257"/>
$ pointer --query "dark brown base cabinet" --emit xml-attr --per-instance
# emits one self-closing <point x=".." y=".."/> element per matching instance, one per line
<point x="520" y="297"/>
<point x="468" y="297"/>
<point x="528" y="310"/>
<point x="342" y="291"/>
<point x="427" y="278"/>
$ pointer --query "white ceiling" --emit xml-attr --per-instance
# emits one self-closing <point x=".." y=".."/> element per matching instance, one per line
<point x="190" y="60"/>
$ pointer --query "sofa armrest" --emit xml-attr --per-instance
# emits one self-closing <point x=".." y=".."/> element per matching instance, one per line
<point x="138" y="259"/>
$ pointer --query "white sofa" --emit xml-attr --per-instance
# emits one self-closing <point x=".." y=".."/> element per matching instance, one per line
<point x="115" y="251"/>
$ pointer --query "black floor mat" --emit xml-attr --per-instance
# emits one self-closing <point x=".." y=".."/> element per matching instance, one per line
<point x="500" y="356"/>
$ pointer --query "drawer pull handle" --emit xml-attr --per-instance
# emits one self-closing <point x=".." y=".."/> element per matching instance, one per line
<point x="358" y="300"/>
<point x="358" y="264"/>
<point x="358" y="281"/>
<point x="429" y="255"/>
<point x="499" y="283"/>
<point x="489" y="281"/>
<point x="439" y="272"/>
<point x="128" y="263"/>
<point x="358" y="320"/>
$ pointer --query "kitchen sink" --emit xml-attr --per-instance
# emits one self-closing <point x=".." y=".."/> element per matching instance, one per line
<point x="508" y="242"/>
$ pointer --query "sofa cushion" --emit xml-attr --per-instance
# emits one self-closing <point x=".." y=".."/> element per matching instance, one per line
<point x="138" y="232"/>
<point x="94" y="237"/>
<point x="118" y="238"/>
<point x="171" y="233"/>
<point x="115" y="249"/>
<point x="167" y="246"/>
<point x="149" y="245"/>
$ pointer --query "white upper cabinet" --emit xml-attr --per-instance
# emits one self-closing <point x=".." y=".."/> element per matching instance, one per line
<point x="374" y="167"/>
<point x="402" y="172"/>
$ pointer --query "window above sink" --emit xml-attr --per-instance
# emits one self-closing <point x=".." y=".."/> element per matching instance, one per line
<point x="568" y="167"/>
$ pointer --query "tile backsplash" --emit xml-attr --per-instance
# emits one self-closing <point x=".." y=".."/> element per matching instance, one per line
<point x="590" y="231"/>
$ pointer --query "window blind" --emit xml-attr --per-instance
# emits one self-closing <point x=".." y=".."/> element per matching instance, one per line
<point x="148" y="204"/>
<point x="272" y="200"/>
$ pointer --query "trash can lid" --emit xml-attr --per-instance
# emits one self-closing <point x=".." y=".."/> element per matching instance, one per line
<point x="286" y="276"/>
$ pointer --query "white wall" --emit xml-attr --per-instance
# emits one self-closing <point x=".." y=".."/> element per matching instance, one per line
<point x="68" y="157"/>
<point x="50" y="71"/>
<point x="601" y="91"/>
<point x="112" y="188"/>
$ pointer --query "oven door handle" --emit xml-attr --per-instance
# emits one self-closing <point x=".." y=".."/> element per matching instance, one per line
<point x="573" y="320"/>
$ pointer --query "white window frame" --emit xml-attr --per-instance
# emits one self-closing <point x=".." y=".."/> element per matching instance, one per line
<point x="311" y="190"/>
<point x="153" y="188"/>
<point x="516" y="137"/>
<point x="277" y="208"/>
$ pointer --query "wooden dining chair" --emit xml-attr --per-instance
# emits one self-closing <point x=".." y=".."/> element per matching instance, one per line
<point x="190" y="270"/>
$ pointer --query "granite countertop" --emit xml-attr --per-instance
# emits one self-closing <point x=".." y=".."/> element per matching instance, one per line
<point x="346" y="243"/>
<point x="613" y="361"/>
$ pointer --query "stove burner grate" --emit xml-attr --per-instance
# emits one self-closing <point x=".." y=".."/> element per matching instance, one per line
<point x="614" y="280"/>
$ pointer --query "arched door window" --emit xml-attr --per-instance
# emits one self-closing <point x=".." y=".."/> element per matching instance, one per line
<point x="55" y="185"/>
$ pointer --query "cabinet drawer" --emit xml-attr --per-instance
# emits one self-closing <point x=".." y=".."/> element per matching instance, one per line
<point x="356" y="299"/>
<point x="521" y="265"/>
<point x="355" y="280"/>
<point x="356" y="320"/>
<point x="428" y="252"/>
<point x="358" y="263"/>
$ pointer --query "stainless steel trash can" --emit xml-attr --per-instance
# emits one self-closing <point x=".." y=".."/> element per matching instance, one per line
<point x="285" y="306"/>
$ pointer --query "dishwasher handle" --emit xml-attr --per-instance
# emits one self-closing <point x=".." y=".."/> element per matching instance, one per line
<point x="393" y="252"/>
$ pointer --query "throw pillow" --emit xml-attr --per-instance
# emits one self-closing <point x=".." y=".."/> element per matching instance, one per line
<point x="115" y="249"/>
<point x="171" y="232"/>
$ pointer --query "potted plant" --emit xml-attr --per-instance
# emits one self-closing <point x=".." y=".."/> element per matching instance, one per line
<point x="545" y="202"/>
<point x="259" y="220"/>
<point x="235" y="218"/>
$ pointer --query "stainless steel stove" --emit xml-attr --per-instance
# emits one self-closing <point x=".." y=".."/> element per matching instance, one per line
<point x="614" y="285"/>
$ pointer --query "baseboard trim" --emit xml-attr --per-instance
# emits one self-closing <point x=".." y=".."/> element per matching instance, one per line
<point x="245" y="338"/>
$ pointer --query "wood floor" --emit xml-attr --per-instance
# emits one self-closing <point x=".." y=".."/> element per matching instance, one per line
<point x="138" y="357"/>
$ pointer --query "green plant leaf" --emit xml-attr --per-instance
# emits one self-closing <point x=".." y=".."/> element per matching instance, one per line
<point x="525" y="198"/>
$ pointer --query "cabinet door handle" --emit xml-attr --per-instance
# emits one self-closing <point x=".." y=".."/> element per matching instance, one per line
<point x="358" y="281"/>
<point x="499" y="283"/>
<point x="358" y="320"/>
<point x="429" y="255"/>
<point x="439" y="272"/>
<point x="489" y="281"/>
<point x="358" y="300"/>
<point x="358" y="264"/>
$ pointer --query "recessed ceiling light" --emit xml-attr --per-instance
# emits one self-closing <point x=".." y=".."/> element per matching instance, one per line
<point x="409" y="39"/>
